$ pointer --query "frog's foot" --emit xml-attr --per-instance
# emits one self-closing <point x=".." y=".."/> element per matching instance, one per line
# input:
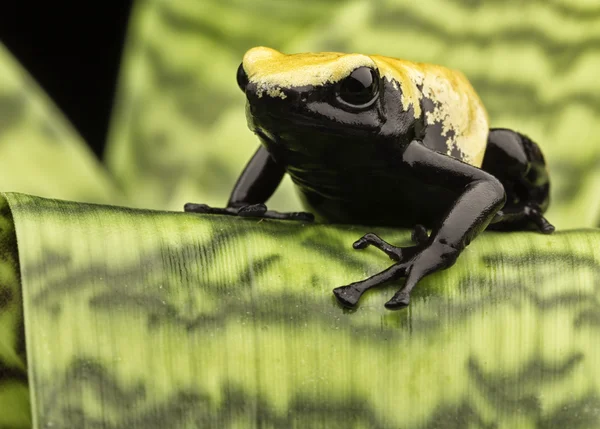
<point x="534" y="214"/>
<point x="529" y="211"/>
<point x="419" y="235"/>
<point x="349" y="295"/>
<point x="414" y="263"/>
<point x="249" y="210"/>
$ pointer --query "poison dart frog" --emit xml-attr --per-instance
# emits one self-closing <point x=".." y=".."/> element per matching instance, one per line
<point x="374" y="140"/>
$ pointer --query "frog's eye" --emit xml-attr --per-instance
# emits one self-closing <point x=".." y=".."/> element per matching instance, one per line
<point x="360" y="88"/>
<point x="242" y="78"/>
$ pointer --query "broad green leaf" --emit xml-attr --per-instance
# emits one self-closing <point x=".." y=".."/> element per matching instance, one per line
<point x="142" y="319"/>
<point x="14" y="393"/>
<point x="40" y="153"/>
<point x="179" y="131"/>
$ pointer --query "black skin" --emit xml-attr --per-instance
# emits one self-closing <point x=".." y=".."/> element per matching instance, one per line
<point x="368" y="161"/>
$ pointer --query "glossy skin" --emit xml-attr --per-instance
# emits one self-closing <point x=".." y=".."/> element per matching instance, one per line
<point x="379" y="141"/>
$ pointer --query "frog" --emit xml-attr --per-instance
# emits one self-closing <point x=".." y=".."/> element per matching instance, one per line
<point x="382" y="141"/>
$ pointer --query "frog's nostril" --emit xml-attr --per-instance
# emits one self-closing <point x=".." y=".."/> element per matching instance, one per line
<point x="242" y="78"/>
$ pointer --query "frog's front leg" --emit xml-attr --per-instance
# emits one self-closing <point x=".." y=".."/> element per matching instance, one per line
<point x="254" y="187"/>
<point x="480" y="196"/>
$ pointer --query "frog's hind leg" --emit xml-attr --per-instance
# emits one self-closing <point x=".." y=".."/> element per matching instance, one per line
<point x="518" y="163"/>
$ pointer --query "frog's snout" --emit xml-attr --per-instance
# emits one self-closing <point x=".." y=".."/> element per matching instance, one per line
<point x="242" y="78"/>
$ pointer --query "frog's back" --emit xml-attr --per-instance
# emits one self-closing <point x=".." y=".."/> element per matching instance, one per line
<point x="447" y="102"/>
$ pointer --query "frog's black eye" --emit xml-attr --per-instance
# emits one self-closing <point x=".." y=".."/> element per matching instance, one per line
<point x="360" y="87"/>
<point x="242" y="78"/>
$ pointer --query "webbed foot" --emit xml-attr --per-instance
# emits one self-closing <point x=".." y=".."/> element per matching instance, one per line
<point x="413" y="262"/>
<point x="249" y="210"/>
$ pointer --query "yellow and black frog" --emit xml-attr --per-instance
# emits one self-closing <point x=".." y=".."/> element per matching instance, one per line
<point x="374" y="140"/>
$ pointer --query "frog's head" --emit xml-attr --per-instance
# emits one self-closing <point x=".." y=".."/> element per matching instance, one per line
<point x="311" y="94"/>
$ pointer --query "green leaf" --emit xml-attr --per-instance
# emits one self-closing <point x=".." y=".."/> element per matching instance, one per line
<point x="142" y="319"/>
<point x="40" y="153"/>
<point x="14" y="393"/>
<point x="179" y="131"/>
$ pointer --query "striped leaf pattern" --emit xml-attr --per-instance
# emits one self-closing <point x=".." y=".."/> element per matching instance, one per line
<point x="176" y="320"/>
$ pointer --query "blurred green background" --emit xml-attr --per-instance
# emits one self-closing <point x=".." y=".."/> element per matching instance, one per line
<point x="178" y="133"/>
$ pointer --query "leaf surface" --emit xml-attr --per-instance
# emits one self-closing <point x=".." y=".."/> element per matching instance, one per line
<point x="143" y="319"/>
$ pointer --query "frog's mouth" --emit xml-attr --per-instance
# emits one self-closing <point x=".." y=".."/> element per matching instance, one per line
<point x="276" y="116"/>
<point x="283" y="124"/>
<point x="305" y="113"/>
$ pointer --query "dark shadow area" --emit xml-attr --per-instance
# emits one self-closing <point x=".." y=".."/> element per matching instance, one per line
<point x="73" y="51"/>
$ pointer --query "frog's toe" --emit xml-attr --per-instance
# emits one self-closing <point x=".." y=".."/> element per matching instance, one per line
<point x="196" y="208"/>
<point x="400" y="300"/>
<point x="302" y="216"/>
<point x="419" y="234"/>
<point x="534" y="213"/>
<point x="367" y="240"/>
<point x="253" y="210"/>
<point x="522" y="217"/>
<point x="544" y="226"/>
<point x="548" y="228"/>
<point x="297" y="216"/>
<point x="347" y="295"/>
<point x="206" y="209"/>
<point x="371" y="239"/>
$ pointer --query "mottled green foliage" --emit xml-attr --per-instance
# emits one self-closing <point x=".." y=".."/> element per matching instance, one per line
<point x="179" y="128"/>
<point x="178" y="320"/>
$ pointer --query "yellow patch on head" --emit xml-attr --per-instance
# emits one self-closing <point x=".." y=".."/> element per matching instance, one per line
<point x="407" y="76"/>
<point x="271" y="70"/>
<point x="456" y="105"/>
